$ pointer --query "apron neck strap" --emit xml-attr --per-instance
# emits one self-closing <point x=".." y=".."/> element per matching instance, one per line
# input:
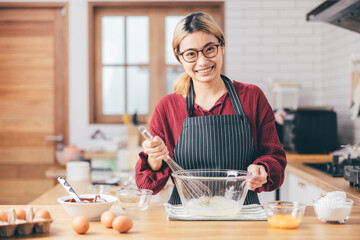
<point x="190" y="99"/>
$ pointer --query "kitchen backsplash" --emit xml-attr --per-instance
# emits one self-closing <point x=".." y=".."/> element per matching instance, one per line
<point x="338" y="46"/>
<point x="271" y="39"/>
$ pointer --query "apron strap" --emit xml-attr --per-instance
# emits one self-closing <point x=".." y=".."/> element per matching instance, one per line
<point x="190" y="99"/>
<point x="233" y="96"/>
<point x="232" y="93"/>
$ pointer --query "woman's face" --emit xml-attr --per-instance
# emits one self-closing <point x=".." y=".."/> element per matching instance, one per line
<point x="203" y="69"/>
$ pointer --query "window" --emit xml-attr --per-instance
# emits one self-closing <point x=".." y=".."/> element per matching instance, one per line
<point x="131" y="60"/>
<point x="125" y="64"/>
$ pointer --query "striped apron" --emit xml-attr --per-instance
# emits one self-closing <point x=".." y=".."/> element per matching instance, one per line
<point x="215" y="142"/>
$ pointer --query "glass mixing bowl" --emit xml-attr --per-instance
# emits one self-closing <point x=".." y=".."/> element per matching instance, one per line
<point x="206" y="192"/>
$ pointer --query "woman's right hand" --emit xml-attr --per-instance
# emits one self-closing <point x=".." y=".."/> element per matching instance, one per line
<point x="156" y="151"/>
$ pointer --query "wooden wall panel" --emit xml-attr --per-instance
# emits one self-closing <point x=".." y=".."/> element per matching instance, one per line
<point x="27" y="101"/>
<point x="30" y="170"/>
<point x="22" y="191"/>
<point x="26" y="107"/>
<point x="27" y="14"/>
<point x="13" y="123"/>
<point x="20" y="155"/>
<point x="33" y="95"/>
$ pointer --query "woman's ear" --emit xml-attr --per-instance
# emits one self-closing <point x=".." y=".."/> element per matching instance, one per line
<point x="223" y="49"/>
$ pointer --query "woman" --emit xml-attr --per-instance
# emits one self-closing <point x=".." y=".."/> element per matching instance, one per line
<point x="210" y="121"/>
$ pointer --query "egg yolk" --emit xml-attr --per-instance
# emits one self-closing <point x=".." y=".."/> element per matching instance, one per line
<point x="284" y="221"/>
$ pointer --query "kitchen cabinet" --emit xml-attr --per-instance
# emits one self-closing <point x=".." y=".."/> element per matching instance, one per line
<point x="295" y="188"/>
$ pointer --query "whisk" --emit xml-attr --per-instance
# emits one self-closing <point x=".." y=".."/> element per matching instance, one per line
<point x="193" y="188"/>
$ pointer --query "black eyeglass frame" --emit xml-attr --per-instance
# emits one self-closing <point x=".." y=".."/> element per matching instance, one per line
<point x="201" y="50"/>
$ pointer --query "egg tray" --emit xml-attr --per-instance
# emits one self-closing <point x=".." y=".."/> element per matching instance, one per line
<point x="25" y="228"/>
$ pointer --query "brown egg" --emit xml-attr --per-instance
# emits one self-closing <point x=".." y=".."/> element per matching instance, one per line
<point x="107" y="218"/>
<point x="35" y="210"/>
<point x="80" y="224"/>
<point x="3" y="216"/>
<point x="44" y="214"/>
<point x="20" y="213"/>
<point x="122" y="224"/>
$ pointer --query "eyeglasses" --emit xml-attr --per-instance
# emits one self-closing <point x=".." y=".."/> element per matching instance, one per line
<point x="192" y="55"/>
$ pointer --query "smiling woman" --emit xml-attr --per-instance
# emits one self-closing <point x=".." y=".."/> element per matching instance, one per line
<point x="210" y="122"/>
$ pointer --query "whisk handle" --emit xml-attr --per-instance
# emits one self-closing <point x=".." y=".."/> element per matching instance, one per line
<point x="147" y="135"/>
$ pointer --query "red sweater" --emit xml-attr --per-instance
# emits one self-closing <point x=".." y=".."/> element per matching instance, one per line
<point x="170" y="113"/>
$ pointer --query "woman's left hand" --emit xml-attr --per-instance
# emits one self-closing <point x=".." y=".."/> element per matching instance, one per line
<point x="259" y="176"/>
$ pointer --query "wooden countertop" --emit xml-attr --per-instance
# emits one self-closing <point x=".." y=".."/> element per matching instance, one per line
<point x="318" y="178"/>
<point x="153" y="224"/>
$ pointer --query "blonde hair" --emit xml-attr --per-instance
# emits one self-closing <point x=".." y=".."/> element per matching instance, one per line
<point x="193" y="22"/>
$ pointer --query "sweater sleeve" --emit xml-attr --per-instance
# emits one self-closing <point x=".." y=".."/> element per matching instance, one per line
<point x="269" y="152"/>
<point x="145" y="177"/>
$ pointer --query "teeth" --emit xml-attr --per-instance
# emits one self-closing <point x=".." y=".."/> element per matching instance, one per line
<point x="205" y="70"/>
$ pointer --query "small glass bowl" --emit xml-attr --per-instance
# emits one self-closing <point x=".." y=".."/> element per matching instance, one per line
<point x="99" y="189"/>
<point x="326" y="213"/>
<point x="284" y="214"/>
<point x="134" y="199"/>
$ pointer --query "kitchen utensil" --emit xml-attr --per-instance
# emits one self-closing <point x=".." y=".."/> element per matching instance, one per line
<point x="355" y="93"/>
<point x="69" y="189"/>
<point x="193" y="189"/>
<point x="90" y="210"/>
<point x="134" y="199"/>
<point x="284" y="214"/>
<point x="228" y="188"/>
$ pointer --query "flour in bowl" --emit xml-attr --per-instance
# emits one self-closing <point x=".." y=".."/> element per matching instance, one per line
<point x="213" y="206"/>
<point x="333" y="207"/>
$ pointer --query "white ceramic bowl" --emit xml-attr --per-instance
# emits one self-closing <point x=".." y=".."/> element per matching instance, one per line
<point x="91" y="211"/>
